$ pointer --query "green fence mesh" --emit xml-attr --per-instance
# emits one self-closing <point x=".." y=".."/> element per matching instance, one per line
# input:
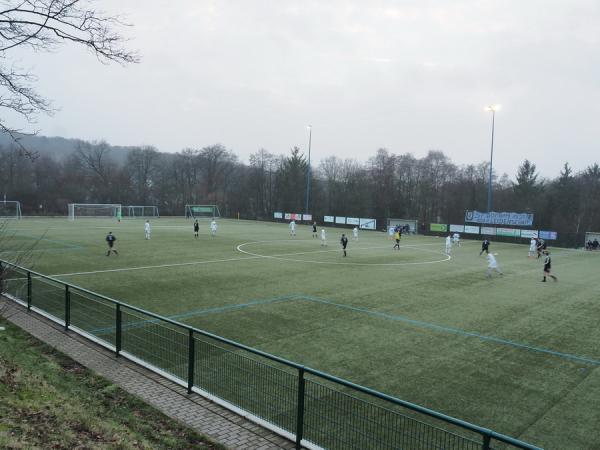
<point x="259" y="388"/>
<point x="337" y="420"/>
<point x="94" y="315"/>
<point x="49" y="296"/>
<point x="156" y="342"/>
<point x="13" y="282"/>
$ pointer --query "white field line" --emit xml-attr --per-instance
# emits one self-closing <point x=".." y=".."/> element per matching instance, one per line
<point x="284" y="257"/>
<point x="159" y="266"/>
<point x="252" y="256"/>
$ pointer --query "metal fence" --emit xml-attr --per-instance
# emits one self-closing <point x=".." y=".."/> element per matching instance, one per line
<point x="314" y="409"/>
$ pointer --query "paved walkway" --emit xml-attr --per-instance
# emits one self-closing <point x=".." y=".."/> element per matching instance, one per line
<point x="202" y="415"/>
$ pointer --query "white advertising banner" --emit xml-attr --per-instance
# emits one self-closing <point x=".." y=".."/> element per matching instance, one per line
<point x="288" y="216"/>
<point x="471" y="229"/>
<point x="488" y="230"/>
<point x="529" y="233"/>
<point x="328" y="219"/>
<point x="457" y="228"/>
<point x="340" y="220"/>
<point x="278" y="215"/>
<point x="307" y="217"/>
<point x="368" y="224"/>
<point x="353" y="221"/>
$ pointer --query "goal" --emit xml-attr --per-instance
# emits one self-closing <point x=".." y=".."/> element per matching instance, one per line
<point x="413" y="224"/>
<point x="10" y="209"/>
<point x="140" y="211"/>
<point x="199" y="211"/>
<point x="82" y="210"/>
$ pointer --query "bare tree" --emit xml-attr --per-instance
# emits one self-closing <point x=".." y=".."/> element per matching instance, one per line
<point x="12" y="251"/>
<point x="45" y="25"/>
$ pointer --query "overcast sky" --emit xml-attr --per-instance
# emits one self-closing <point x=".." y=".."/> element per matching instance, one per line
<point x="409" y="76"/>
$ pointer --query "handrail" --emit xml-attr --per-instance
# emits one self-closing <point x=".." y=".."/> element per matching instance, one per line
<point x="484" y="432"/>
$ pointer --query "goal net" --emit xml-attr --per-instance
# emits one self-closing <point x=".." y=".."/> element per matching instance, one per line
<point x="82" y="210"/>
<point x="140" y="211"/>
<point x="10" y="209"/>
<point x="413" y="224"/>
<point x="199" y="211"/>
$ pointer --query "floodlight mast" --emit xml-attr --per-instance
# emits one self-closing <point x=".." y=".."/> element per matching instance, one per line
<point x="492" y="109"/>
<point x="306" y="211"/>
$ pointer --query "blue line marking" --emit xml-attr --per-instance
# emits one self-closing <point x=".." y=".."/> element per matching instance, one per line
<point x="458" y="331"/>
<point x="65" y="244"/>
<point x="200" y="312"/>
<point x="417" y="323"/>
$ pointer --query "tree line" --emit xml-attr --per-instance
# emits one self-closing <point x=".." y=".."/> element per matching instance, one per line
<point x="430" y="189"/>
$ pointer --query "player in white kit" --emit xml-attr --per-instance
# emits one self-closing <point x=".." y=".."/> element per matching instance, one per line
<point x="456" y="239"/>
<point x="492" y="265"/>
<point x="355" y="233"/>
<point x="147" y="229"/>
<point x="293" y="228"/>
<point x="213" y="228"/>
<point x="448" y="245"/>
<point x="532" y="248"/>
<point x="323" y="238"/>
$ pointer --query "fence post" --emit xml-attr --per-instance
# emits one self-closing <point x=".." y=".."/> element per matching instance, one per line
<point x="486" y="441"/>
<point x="191" y="361"/>
<point x="67" y="307"/>
<point x="28" y="291"/>
<point x="300" y="410"/>
<point x="118" y="328"/>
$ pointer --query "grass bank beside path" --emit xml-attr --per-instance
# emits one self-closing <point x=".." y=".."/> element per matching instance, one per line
<point x="49" y="401"/>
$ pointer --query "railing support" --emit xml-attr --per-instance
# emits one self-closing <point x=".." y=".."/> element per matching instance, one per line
<point x="28" y="291"/>
<point x="67" y="307"/>
<point x="118" y="328"/>
<point x="191" y="361"/>
<point x="300" y="410"/>
<point x="486" y="442"/>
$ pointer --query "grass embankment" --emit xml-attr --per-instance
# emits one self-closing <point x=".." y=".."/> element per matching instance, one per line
<point x="47" y="400"/>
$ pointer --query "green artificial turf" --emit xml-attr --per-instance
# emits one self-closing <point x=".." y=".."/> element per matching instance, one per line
<point x="509" y="353"/>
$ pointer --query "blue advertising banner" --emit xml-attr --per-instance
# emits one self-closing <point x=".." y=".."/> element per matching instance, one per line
<point x="499" y="218"/>
<point x="549" y="235"/>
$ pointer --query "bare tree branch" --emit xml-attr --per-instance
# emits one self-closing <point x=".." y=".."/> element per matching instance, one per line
<point x="45" y="25"/>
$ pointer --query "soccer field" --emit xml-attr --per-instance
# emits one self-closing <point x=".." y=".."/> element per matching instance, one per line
<point x="509" y="353"/>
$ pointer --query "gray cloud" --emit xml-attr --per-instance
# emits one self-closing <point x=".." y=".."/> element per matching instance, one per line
<point x="408" y="76"/>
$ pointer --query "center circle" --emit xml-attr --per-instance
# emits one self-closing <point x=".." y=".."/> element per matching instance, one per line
<point x="242" y="248"/>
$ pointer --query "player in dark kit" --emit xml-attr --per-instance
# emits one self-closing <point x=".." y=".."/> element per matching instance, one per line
<point x="196" y="228"/>
<point x="110" y="240"/>
<point x="344" y="242"/>
<point x="485" y="247"/>
<point x="548" y="266"/>
<point x="315" y="235"/>
<point x="541" y="247"/>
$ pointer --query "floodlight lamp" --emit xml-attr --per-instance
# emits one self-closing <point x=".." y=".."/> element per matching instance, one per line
<point x="492" y="108"/>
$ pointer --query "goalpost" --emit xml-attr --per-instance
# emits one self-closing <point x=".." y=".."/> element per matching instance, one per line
<point x="140" y="211"/>
<point x="413" y="224"/>
<point x="10" y="209"/>
<point x="199" y="211"/>
<point x="82" y="210"/>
